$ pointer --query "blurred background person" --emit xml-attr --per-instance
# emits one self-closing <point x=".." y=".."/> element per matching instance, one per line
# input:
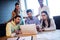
<point x="16" y="11"/>
<point x="42" y="8"/>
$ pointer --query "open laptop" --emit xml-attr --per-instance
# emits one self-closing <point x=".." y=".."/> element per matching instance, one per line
<point x="28" y="29"/>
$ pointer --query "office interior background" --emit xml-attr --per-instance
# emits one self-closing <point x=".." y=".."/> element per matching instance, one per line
<point x="7" y="6"/>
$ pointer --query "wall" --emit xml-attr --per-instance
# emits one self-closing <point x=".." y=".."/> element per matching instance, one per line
<point x="6" y="8"/>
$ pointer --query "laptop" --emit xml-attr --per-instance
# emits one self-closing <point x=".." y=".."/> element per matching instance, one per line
<point x="28" y="29"/>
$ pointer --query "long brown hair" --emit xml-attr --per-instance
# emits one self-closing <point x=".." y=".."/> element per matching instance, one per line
<point x="15" y="10"/>
<point x="48" y="19"/>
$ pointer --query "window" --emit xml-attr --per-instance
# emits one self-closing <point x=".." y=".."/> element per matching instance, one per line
<point x="22" y="5"/>
<point x="32" y="4"/>
<point x="54" y="6"/>
<point x="23" y="8"/>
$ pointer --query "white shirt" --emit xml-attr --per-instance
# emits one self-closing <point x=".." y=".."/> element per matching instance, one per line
<point x="52" y="25"/>
<point x="44" y="8"/>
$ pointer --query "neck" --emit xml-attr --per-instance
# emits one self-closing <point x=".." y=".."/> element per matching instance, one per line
<point x="16" y="10"/>
<point x="31" y="17"/>
<point x="15" y="22"/>
<point x="41" y="5"/>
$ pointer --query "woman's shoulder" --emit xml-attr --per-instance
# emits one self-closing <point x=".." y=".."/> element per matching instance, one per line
<point x="51" y="19"/>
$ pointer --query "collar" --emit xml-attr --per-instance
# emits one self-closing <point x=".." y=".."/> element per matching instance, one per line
<point x="13" y="23"/>
<point x="30" y="19"/>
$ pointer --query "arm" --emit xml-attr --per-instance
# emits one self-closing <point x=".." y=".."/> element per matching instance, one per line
<point x="37" y="15"/>
<point x="37" y="21"/>
<point x="8" y="29"/>
<point x="18" y="31"/>
<point x="13" y="14"/>
<point x="26" y="21"/>
<point x="52" y="26"/>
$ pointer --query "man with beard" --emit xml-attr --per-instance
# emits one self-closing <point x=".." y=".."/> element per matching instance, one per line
<point x="13" y="26"/>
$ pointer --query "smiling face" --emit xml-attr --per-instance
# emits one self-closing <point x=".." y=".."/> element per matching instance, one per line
<point x="29" y="14"/>
<point x="17" y="20"/>
<point x="17" y="7"/>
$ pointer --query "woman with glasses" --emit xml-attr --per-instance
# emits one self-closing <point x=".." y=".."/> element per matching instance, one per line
<point x="46" y="23"/>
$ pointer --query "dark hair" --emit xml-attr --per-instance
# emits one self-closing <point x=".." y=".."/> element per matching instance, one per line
<point x="16" y="3"/>
<point x="39" y="0"/>
<point x="15" y="10"/>
<point x="48" y="19"/>
<point x="16" y="17"/>
<point x="29" y="10"/>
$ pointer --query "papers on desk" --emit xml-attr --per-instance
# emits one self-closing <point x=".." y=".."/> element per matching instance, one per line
<point x="20" y="38"/>
<point x="53" y="35"/>
<point x="25" y="38"/>
<point x="12" y="38"/>
<point x="41" y="37"/>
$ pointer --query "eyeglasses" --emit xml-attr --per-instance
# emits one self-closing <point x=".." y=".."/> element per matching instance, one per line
<point x="43" y="15"/>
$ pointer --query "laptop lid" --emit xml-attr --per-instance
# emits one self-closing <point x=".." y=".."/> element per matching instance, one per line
<point x="28" y="29"/>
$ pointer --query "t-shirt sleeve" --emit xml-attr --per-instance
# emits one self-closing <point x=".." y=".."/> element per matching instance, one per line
<point x="8" y="29"/>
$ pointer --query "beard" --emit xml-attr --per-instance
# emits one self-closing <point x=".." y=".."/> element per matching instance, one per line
<point x="31" y="17"/>
<point x="17" y="22"/>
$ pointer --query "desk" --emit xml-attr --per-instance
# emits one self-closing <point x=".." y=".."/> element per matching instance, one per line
<point x="51" y="35"/>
